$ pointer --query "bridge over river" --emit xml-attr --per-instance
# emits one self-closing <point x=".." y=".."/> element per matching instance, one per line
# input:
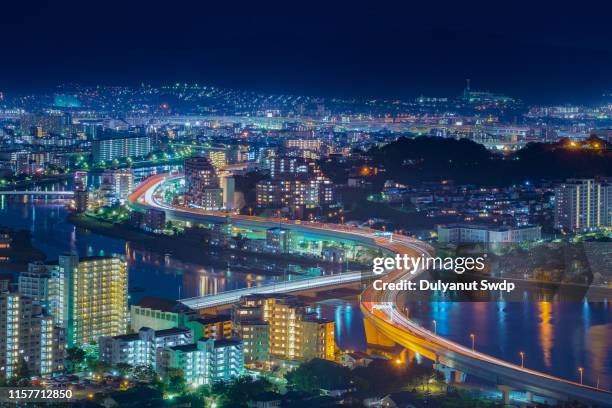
<point x="386" y="324"/>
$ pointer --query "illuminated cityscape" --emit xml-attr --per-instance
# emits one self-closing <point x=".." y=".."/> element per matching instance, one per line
<point x="294" y="205"/>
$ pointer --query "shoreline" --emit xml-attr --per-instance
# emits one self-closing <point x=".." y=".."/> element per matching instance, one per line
<point x="197" y="252"/>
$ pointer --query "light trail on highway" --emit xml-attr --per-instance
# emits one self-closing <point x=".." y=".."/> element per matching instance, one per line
<point x="392" y="323"/>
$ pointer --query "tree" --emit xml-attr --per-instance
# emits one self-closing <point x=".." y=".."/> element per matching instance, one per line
<point x="175" y="381"/>
<point x="319" y="374"/>
<point x="123" y="368"/>
<point x="74" y="358"/>
<point x="239" y="391"/>
<point x="146" y="374"/>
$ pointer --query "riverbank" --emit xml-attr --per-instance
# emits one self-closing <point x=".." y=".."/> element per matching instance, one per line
<point x="19" y="251"/>
<point x="193" y="251"/>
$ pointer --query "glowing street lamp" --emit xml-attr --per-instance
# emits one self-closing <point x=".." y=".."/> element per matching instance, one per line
<point x="522" y="359"/>
<point x="435" y="328"/>
<point x="581" y="371"/>
<point x="473" y="337"/>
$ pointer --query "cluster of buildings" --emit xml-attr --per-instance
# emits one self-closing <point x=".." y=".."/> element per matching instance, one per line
<point x="205" y="188"/>
<point x="81" y="301"/>
<point x="55" y="305"/>
<point x="297" y="189"/>
<point x="515" y="205"/>
<point x="114" y="188"/>
<point x="260" y="331"/>
<point x="577" y="206"/>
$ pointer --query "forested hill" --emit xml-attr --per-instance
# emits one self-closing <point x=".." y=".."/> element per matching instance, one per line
<point x="432" y="158"/>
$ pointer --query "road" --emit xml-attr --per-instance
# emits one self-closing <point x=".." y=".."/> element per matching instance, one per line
<point x="389" y="320"/>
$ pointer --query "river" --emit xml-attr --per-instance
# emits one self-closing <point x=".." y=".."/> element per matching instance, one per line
<point x="556" y="338"/>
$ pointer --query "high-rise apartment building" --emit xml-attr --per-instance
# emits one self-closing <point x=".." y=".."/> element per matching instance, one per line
<point x="95" y="297"/>
<point x="120" y="146"/>
<point x="296" y="195"/>
<point x="28" y="337"/>
<point x="202" y="184"/>
<point x="86" y="296"/>
<point x="116" y="186"/>
<point x="294" y="333"/>
<point x="583" y="205"/>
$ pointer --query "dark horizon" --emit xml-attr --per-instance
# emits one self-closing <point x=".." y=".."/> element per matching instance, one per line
<point x="541" y="53"/>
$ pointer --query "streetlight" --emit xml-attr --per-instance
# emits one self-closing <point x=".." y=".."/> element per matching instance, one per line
<point x="522" y="359"/>
<point x="435" y="328"/>
<point x="581" y="371"/>
<point x="473" y="337"/>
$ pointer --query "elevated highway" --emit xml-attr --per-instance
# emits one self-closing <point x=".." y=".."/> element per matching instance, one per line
<point x="380" y="307"/>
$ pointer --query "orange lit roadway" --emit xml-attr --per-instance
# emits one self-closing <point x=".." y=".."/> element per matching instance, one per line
<point x="378" y="306"/>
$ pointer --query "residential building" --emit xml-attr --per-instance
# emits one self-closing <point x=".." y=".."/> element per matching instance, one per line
<point x="202" y="184"/>
<point x="158" y="313"/>
<point x="487" y="234"/>
<point x="142" y="347"/>
<point x="116" y="186"/>
<point x="583" y="205"/>
<point x="28" y="337"/>
<point x="89" y="297"/>
<point x="248" y="324"/>
<point x="205" y="362"/>
<point x="119" y="147"/>
<point x="278" y="239"/>
<point x="215" y="327"/>
<point x="294" y="332"/>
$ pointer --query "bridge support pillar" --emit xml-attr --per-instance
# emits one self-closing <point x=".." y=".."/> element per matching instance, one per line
<point x="505" y="393"/>
<point x="377" y="341"/>
<point x="529" y="396"/>
<point x="451" y="375"/>
<point x="407" y="355"/>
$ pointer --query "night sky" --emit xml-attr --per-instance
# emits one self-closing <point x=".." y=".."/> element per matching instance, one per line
<point x="541" y="51"/>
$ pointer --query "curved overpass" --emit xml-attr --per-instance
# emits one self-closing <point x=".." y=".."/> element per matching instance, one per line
<point x="389" y="320"/>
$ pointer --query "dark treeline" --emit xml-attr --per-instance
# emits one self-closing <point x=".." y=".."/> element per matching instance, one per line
<point x="432" y="158"/>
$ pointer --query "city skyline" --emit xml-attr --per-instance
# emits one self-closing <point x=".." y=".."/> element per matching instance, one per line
<point x="304" y="204"/>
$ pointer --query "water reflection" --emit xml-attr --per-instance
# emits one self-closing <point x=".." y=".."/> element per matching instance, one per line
<point x="545" y="332"/>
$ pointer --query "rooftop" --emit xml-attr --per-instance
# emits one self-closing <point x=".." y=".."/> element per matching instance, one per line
<point x="161" y="304"/>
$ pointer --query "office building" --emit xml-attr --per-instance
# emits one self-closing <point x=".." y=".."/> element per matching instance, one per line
<point x="28" y="337"/>
<point x="583" y="205"/>
<point x="120" y="147"/>
<point x="141" y="348"/>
